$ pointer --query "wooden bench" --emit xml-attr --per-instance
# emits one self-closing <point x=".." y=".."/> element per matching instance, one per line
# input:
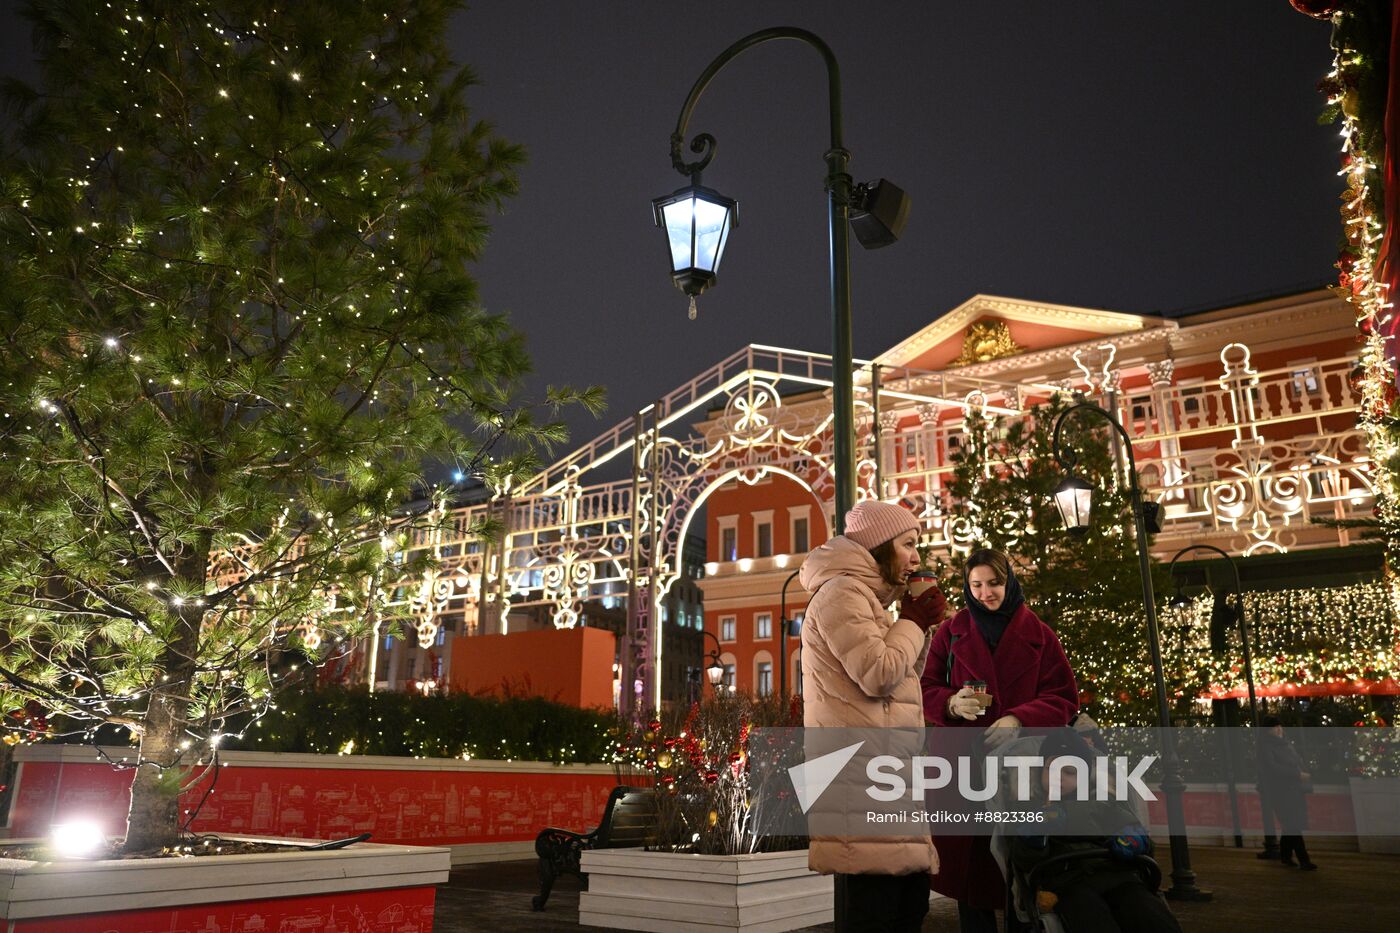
<point x="629" y="820"/>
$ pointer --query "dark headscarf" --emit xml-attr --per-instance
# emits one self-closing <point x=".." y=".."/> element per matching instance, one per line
<point x="992" y="623"/>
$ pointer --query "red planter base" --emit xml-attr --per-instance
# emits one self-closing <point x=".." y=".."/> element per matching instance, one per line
<point x="398" y="910"/>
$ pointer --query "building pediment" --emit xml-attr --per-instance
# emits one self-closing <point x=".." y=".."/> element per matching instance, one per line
<point x="986" y="327"/>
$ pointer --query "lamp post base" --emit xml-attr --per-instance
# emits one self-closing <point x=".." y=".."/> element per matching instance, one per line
<point x="1183" y="880"/>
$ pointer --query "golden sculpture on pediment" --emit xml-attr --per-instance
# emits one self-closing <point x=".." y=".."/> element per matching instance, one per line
<point x="986" y="340"/>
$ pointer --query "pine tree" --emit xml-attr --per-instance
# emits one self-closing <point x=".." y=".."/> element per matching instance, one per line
<point x="1087" y="586"/>
<point x="238" y="317"/>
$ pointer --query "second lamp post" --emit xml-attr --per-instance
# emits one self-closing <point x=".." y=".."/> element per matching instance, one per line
<point x="1074" y="498"/>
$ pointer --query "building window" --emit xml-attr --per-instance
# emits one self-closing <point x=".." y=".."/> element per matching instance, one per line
<point x="797" y="675"/>
<point x="1304" y="383"/>
<point x="727" y="627"/>
<point x="763" y="683"/>
<point x="1191" y="401"/>
<point x="728" y="537"/>
<point x="801" y="537"/>
<point x="763" y="625"/>
<point x="728" y="680"/>
<point x="763" y="533"/>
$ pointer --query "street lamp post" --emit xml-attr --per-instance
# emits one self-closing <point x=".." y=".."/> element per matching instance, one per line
<point x="785" y="629"/>
<point x="698" y="220"/>
<point x="1074" y="500"/>
<point x="1242" y="622"/>
<point x="714" y="671"/>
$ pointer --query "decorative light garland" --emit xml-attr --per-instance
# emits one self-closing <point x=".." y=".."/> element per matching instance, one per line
<point x="1356" y="94"/>
<point x="1306" y="642"/>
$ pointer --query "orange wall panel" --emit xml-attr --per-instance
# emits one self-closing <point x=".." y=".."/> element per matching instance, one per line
<point x="571" y="666"/>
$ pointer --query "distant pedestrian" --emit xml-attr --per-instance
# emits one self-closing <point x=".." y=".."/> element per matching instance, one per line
<point x="1286" y="786"/>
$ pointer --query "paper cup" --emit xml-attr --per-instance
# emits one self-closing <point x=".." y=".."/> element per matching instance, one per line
<point x="980" y="694"/>
<point x="919" y="583"/>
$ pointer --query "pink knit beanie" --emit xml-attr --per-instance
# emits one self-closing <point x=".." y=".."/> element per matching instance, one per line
<point x="871" y="523"/>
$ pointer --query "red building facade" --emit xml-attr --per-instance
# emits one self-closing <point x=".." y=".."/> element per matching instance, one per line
<point x="1243" y="420"/>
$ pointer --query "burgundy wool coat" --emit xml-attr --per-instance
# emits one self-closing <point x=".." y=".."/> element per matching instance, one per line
<point x="1028" y="677"/>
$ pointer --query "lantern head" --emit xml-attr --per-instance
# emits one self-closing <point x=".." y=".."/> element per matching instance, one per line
<point x="1075" y="500"/>
<point x="697" y="221"/>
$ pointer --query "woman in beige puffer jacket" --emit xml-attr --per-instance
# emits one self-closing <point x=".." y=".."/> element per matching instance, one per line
<point x="860" y="669"/>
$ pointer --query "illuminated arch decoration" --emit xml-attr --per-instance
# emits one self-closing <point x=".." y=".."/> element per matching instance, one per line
<point x="576" y="534"/>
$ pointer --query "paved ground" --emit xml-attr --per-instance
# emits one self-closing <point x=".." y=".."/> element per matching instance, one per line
<point x="1250" y="895"/>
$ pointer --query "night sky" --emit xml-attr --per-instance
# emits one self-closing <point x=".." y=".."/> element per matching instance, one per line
<point x="1126" y="155"/>
<point x="1121" y="154"/>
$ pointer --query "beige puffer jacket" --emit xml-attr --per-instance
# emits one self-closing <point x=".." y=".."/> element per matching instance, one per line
<point x="860" y="670"/>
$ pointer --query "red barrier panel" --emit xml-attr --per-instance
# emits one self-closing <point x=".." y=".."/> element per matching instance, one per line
<point x="398" y="910"/>
<point x="1327" y="813"/>
<point x="408" y="801"/>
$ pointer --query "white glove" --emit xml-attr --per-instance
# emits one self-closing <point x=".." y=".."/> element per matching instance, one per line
<point x="1002" y="731"/>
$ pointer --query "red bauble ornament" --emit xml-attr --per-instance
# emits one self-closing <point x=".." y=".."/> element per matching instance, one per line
<point x="1317" y="9"/>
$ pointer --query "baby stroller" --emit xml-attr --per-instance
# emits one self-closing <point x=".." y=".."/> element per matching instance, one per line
<point x="1028" y="900"/>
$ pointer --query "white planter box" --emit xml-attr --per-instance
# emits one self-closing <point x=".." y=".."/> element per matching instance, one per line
<point x="1376" y="802"/>
<point x="31" y="890"/>
<point x="666" y="892"/>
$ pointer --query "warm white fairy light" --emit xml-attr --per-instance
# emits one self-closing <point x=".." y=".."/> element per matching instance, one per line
<point x="1364" y="230"/>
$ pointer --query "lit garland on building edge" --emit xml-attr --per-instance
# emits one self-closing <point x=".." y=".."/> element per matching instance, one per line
<point x="1356" y="90"/>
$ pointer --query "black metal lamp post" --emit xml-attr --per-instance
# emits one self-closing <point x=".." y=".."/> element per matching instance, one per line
<point x="1241" y="620"/>
<point x="697" y="221"/>
<point x="714" y="671"/>
<point x="786" y="628"/>
<point x="1074" y="498"/>
<point x="1179" y="601"/>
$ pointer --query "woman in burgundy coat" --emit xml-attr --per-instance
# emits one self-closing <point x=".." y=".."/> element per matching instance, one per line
<point x="999" y="641"/>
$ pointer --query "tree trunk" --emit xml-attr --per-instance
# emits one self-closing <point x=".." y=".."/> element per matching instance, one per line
<point x="153" y="822"/>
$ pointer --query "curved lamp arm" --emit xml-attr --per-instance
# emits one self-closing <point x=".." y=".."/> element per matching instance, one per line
<point x="1245" y="646"/>
<point x="1065" y="455"/>
<point x="1171" y="567"/>
<point x="704" y="144"/>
